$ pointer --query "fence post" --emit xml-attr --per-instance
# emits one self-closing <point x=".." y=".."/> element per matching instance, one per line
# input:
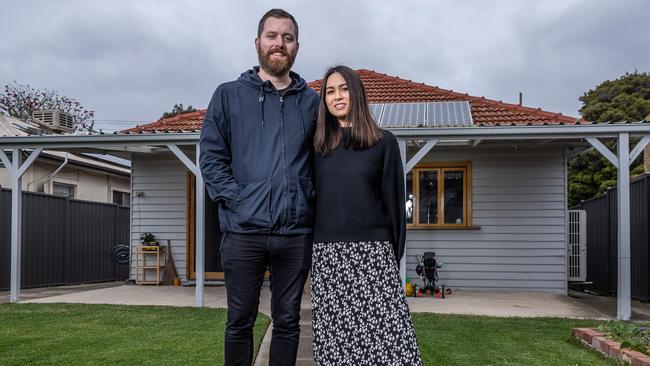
<point x="612" y="247"/>
<point x="608" y="247"/>
<point x="67" y="260"/>
<point x="115" y="233"/>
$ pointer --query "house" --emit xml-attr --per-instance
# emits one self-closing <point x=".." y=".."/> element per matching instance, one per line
<point x="487" y="179"/>
<point x="493" y="211"/>
<point x="91" y="177"/>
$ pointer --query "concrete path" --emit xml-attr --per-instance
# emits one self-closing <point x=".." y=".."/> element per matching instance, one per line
<point x="42" y="292"/>
<point x="213" y="296"/>
<point x="490" y="303"/>
<point x="525" y="304"/>
<point x="305" y="355"/>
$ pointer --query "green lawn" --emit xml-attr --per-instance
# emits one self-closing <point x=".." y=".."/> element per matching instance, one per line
<point x="75" y="334"/>
<point x="72" y="334"/>
<point x="479" y="340"/>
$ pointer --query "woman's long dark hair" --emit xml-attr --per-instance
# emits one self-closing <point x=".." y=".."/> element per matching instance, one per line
<point x="364" y="131"/>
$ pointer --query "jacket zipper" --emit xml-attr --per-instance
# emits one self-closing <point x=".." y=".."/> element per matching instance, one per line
<point x="284" y="159"/>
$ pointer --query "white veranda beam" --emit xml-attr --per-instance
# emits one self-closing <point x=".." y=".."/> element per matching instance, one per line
<point x="622" y="162"/>
<point x="419" y="155"/>
<point x="624" y="308"/>
<point x="603" y="150"/>
<point x="199" y="242"/>
<point x="189" y="164"/>
<point x="9" y="165"/>
<point x="639" y="148"/>
<point x="16" y="170"/>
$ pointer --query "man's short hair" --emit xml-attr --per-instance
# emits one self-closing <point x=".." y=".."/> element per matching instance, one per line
<point x="276" y="13"/>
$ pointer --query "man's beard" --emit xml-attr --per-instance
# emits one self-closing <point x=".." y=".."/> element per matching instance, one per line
<point x="275" y="68"/>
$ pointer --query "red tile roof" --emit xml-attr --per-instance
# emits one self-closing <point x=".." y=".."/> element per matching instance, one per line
<point x="185" y="122"/>
<point x="382" y="88"/>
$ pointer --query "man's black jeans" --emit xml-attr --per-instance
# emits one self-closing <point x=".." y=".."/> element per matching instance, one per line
<point x="245" y="258"/>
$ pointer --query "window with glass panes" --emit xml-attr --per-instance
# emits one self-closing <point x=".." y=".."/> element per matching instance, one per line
<point x="62" y="189"/>
<point x="122" y="198"/>
<point x="438" y="195"/>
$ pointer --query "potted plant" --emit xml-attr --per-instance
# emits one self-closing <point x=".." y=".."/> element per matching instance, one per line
<point x="148" y="240"/>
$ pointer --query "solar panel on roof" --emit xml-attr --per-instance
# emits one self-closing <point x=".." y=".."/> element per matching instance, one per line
<point x="432" y="114"/>
<point x="449" y="114"/>
<point x="376" y="110"/>
<point x="403" y="115"/>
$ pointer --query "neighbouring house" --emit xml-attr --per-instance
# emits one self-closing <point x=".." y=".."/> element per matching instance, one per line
<point x="84" y="176"/>
<point x="494" y="210"/>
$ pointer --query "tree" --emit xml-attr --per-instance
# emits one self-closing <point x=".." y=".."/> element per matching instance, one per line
<point x="178" y="109"/>
<point x="21" y="100"/>
<point x="624" y="99"/>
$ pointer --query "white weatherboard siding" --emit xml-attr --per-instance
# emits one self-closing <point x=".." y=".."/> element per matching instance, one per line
<point x="163" y="208"/>
<point x="518" y="200"/>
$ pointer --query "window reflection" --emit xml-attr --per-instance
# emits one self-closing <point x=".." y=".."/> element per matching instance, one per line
<point x="453" y="197"/>
<point x="428" y="197"/>
<point x="409" y="198"/>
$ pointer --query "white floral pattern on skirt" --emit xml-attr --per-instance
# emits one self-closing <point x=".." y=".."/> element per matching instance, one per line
<point x="360" y="314"/>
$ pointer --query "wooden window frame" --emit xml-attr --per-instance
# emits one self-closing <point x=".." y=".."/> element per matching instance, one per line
<point x="442" y="167"/>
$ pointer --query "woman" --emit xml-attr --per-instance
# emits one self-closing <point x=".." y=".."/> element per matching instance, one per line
<point x="360" y="315"/>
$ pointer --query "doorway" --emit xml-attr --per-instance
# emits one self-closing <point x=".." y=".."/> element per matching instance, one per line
<point x="213" y="269"/>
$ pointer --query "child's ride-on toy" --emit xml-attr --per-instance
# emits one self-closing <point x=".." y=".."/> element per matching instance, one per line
<point x="427" y="269"/>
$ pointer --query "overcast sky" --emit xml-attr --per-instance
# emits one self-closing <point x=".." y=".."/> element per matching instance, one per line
<point x="132" y="60"/>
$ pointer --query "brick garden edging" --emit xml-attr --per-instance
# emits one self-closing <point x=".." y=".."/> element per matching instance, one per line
<point x="595" y="340"/>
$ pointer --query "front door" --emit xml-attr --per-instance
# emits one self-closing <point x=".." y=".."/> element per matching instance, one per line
<point x="213" y="269"/>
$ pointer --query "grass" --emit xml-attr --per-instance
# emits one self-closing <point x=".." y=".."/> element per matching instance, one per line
<point x="479" y="340"/>
<point x="77" y="334"/>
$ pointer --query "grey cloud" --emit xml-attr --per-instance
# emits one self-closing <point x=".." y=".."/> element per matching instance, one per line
<point x="134" y="60"/>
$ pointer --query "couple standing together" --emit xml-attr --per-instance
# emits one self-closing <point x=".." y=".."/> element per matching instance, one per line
<point x="307" y="183"/>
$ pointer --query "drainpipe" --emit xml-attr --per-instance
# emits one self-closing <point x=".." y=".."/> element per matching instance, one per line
<point x="51" y="175"/>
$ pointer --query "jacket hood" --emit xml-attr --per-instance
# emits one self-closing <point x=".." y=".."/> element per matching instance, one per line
<point x="250" y="78"/>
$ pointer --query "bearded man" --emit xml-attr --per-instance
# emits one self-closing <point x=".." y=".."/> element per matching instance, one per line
<point x="255" y="158"/>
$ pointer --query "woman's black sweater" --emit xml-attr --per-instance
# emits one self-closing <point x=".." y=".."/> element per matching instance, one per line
<point x="360" y="194"/>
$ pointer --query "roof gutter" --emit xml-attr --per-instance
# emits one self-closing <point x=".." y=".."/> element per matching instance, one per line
<point x="604" y="130"/>
<point x="88" y="167"/>
<point x="528" y="132"/>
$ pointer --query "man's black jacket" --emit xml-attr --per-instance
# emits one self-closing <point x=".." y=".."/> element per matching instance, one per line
<point x="256" y="155"/>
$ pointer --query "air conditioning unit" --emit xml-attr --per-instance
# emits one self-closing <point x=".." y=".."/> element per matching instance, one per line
<point x="577" y="246"/>
<point x="54" y="119"/>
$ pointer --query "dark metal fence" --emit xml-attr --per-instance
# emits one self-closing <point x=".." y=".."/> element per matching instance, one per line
<point x="602" y="240"/>
<point x="64" y="241"/>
